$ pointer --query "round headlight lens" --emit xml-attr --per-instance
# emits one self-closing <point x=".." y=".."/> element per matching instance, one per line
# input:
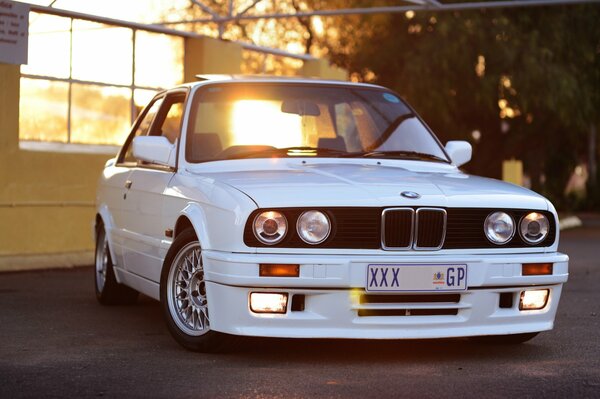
<point x="499" y="227"/>
<point x="534" y="227"/>
<point x="270" y="227"/>
<point x="313" y="227"/>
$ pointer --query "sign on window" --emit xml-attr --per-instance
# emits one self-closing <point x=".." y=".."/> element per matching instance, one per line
<point x="14" y="26"/>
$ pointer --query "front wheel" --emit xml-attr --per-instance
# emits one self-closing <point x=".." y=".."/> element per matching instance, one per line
<point x="184" y="299"/>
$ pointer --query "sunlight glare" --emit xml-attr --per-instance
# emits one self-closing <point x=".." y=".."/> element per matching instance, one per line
<point x="505" y="81"/>
<point x="259" y="122"/>
<point x="480" y="66"/>
<point x="295" y="47"/>
<point x="317" y="24"/>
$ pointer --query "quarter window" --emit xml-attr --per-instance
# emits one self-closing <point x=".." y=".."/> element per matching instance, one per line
<point x="168" y="123"/>
<point x="172" y="122"/>
<point x="141" y="130"/>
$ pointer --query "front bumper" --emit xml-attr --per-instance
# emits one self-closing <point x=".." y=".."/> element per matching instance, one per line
<point x="332" y="287"/>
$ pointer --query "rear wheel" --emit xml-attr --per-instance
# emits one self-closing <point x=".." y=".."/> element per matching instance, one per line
<point x="108" y="290"/>
<point x="512" y="339"/>
<point x="184" y="299"/>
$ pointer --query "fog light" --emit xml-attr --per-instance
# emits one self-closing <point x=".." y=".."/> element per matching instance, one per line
<point x="265" y="302"/>
<point x="533" y="299"/>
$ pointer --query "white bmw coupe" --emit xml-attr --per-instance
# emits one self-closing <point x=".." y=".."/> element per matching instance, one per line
<point x="254" y="206"/>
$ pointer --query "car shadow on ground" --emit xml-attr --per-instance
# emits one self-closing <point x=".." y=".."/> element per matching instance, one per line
<point x="425" y="351"/>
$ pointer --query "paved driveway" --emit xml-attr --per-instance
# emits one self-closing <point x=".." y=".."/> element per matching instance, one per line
<point x="56" y="341"/>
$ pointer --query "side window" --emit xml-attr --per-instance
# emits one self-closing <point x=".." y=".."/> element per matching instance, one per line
<point x="168" y="120"/>
<point x="141" y="130"/>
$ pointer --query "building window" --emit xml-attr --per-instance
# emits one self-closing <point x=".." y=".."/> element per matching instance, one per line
<point x="86" y="82"/>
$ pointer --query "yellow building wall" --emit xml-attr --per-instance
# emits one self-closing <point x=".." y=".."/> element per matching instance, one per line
<point x="321" y="68"/>
<point x="512" y="171"/>
<point x="47" y="198"/>
<point x="47" y="202"/>
<point x="206" y="55"/>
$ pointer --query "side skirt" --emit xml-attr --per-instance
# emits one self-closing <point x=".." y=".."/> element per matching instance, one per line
<point x="146" y="287"/>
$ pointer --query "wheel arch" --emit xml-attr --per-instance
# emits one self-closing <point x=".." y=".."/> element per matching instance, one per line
<point x="104" y="217"/>
<point x="193" y="216"/>
<point x="182" y="224"/>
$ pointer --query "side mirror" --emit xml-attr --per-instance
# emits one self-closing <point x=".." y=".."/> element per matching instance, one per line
<point x="460" y="152"/>
<point x="154" y="149"/>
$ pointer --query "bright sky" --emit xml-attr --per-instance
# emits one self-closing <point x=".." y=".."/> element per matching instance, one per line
<point x="144" y="11"/>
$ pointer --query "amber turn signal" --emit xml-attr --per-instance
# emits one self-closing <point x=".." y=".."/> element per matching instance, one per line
<point x="536" y="269"/>
<point x="275" y="270"/>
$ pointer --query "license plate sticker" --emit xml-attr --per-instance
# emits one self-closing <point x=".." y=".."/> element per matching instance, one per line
<point x="416" y="278"/>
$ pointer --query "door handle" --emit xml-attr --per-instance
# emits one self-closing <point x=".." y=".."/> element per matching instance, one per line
<point x="128" y="184"/>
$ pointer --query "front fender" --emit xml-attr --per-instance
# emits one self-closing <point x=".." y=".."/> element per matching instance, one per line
<point x="196" y="215"/>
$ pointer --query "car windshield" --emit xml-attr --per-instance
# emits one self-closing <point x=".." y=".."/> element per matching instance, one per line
<point x="264" y="120"/>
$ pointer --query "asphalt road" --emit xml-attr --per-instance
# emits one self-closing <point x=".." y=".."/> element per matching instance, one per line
<point x="56" y="341"/>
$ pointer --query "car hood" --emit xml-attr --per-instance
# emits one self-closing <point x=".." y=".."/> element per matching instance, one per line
<point x="298" y="183"/>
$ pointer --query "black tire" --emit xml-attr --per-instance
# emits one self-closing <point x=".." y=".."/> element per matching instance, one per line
<point x="184" y="301"/>
<point x="108" y="290"/>
<point x="513" y="339"/>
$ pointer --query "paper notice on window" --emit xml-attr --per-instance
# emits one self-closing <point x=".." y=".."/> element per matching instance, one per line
<point x="14" y="28"/>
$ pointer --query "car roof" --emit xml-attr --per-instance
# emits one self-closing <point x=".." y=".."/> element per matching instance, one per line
<point x="214" y="78"/>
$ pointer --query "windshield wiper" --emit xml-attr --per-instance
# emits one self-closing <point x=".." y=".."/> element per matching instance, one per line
<point x="316" y="151"/>
<point x="295" y="152"/>
<point x="399" y="155"/>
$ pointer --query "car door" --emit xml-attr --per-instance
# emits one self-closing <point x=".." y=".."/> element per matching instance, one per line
<point x="117" y="180"/>
<point x="145" y="196"/>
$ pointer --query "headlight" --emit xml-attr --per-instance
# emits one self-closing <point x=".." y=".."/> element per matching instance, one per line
<point x="313" y="227"/>
<point x="270" y="227"/>
<point x="534" y="227"/>
<point x="499" y="227"/>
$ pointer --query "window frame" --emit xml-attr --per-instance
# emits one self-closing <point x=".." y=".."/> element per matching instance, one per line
<point x="164" y="95"/>
<point x="162" y="113"/>
<point x="121" y="155"/>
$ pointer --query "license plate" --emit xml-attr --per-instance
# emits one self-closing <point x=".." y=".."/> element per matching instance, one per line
<point x="416" y="278"/>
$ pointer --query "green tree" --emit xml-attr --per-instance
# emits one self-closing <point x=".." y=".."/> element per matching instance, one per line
<point x="526" y="79"/>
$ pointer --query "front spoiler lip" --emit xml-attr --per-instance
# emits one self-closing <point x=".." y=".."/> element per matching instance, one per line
<point x="332" y="314"/>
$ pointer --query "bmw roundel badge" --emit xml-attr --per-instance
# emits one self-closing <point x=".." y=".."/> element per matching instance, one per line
<point x="410" y="194"/>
